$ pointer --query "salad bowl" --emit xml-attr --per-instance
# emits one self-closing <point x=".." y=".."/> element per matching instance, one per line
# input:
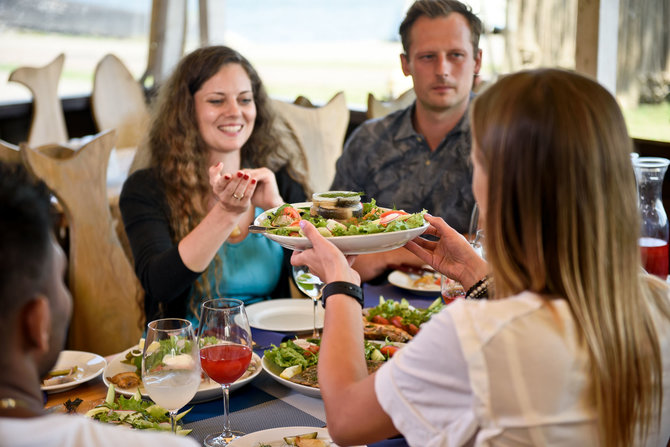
<point x="349" y="245"/>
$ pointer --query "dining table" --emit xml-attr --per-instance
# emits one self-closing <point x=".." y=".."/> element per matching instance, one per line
<point x="263" y="403"/>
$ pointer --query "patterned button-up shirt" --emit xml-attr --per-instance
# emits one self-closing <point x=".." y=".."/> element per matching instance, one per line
<point x="389" y="161"/>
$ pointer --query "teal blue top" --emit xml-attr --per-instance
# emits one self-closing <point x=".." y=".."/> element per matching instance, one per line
<point x="250" y="272"/>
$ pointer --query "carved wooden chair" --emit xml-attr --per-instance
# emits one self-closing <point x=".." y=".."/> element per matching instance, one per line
<point x="118" y="102"/>
<point x="48" y="122"/>
<point x="107" y="296"/>
<point x="377" y="108"/>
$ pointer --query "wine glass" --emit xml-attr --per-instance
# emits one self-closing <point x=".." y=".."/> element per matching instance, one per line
<point x="170" y="364"/>
<point x="310" y="285"/>
<point x="224" y="338"/>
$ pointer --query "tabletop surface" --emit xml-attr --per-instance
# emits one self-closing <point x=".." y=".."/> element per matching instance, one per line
<point x="263" y="403"/>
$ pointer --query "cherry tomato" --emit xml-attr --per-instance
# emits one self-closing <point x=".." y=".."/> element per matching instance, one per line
<point x="412" y="329"/>
<point x="388" y="350"/>
<point x="379" y="320"/>
<point x="396" y="321"/>
<point x="313" y="349"/>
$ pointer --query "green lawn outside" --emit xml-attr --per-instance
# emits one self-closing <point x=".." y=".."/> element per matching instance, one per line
<point x="649" y="121"/>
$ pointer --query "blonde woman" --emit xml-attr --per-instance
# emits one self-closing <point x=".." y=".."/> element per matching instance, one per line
<point x="572" y="346"/>
<point x="217" y="162"/>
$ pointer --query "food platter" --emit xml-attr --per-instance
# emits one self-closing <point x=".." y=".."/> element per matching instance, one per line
<point x="274" y="371"/>
<point x="274" y="437"/>
<point x="349" y="245"/>
<point x="408" y="281"/>
<point x="208" y="390"/>
<point x="89" y="366"/>
<point x="285" y="315"/>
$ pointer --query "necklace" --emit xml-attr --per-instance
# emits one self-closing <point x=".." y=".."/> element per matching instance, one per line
<point x="9" y="403"/>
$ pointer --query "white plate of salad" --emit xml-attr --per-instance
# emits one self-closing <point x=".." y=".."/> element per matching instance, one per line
<point x="208" y="390"/>
<point x="293" y="358"/>
<point x="380" y="229"/>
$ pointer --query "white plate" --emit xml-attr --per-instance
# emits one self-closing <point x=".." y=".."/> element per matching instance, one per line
<point x="274" y="372"/>
<point x="285" y="315"/>
<point x="208" y="390"/>
<point x="349" y="245"/>
<point x="406" y="281"/>
<point x="275" y="437"/>
<point x="90" y="365"/>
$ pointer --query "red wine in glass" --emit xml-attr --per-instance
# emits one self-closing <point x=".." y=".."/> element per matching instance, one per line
<point x="224" y="337"/>
<point x="225" y="363"/>
<point x="654" y="256"/>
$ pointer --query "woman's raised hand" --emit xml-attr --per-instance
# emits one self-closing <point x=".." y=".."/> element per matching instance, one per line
<point x="267" y="194"/>
<point x="324" y="259"/>
<point x="451" y="255"/>
<point x="232" y="191"/>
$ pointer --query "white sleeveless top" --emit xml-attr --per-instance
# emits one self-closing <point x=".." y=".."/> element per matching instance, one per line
<point x="499" y="373"/>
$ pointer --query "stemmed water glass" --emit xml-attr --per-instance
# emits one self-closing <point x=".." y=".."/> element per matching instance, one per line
<point x="170" y="364"/>
<point x="310" y="285"/>
<point x="224" y="337"/>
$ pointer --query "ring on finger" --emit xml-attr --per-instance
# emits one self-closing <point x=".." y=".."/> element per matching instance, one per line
<point x="240" y="197"/>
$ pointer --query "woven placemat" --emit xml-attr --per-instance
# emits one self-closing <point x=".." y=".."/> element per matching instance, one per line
<point x="272" y="414"/>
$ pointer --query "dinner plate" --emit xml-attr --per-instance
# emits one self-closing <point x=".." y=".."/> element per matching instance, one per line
<point x="274" y="372"/>
<point x="349" y="245"/>
<point x="90" y="366"/>
<point x="285" y="315"/>
<point x="407" y="281"/>
<point x="208" y="390"/>
<point x="274" y="437"/>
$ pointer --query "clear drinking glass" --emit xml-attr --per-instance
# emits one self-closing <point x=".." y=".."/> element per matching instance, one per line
<point x="224" y="338"/>
<point x="171" y="364"/>
<point x="310" y="285"/>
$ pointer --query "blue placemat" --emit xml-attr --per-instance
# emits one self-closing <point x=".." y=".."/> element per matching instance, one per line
<point x="271" y="414"/>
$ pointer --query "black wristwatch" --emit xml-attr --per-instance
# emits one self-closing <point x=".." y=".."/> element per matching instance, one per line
<point x="343" y="287"/>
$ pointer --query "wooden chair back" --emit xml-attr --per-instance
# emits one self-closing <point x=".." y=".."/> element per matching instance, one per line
<point x="9" y="153"/>
<point x="319" y="132"/>
<point x="107" y="313"/>
<point x="48" y="122"/>
<point x="377" y="108"/>
<point x="118" y="102"/>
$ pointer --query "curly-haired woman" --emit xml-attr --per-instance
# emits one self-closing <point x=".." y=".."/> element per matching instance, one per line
<point x="216" y="163"/>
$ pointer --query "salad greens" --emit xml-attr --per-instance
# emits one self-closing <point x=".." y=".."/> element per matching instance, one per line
<point x="286" y="217"/>
<point x="135" y="412"/>
<point x="410" y="315"/>
<point x="289" y="353"/>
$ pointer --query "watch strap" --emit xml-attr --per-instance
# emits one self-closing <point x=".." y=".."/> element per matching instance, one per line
<point x="344" y="288"/>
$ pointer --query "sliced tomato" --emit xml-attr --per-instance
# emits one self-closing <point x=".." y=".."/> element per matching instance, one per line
<point x="295" y="223"/>
<point x="379" y="320"/>
<point x="389" y="350"/>
<point x="389" y="216"/>
<point x="291" y="212"/>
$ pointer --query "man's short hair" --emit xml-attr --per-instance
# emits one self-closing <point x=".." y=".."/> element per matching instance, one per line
<point x="25" y="237"/>
<point x="435" y="9"/>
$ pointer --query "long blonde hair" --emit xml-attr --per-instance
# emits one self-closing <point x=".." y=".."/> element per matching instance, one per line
<point x="562" y="221"/>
